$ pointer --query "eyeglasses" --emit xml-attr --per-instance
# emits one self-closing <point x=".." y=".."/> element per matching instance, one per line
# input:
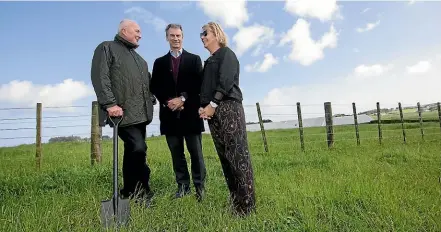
<point x="204" y="33"/>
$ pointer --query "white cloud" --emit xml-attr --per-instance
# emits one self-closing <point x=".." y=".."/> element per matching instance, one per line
<point x="253" y="36"/>
<point x="304" y="49"/>
<point x="26" y="93"/>
<point x="234" y="14"/>
<point x="365" y="71"/>
<point x="230" y="13"/>
<point x="324" y="10"/>
<point x="388" y="87"/>
<point x="141" y="14"/>
<point x="356" y="50"/>
<point x="365" y="10"/>
<point x="419" y="68"/>
<point x="368" y="27"/>
<point x="268" y="61"/>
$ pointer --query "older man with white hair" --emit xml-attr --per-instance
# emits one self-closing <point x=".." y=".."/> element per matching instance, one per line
<point x="121" y="81"/>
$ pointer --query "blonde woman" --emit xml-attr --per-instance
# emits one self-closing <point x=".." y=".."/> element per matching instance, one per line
<point x="221" y="105"/>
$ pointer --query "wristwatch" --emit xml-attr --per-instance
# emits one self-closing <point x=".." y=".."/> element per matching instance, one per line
<point x="214" y="105"/>
<point x="183" y="98"/>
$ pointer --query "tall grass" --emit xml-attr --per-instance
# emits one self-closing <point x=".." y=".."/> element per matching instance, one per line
<point x="371" y="187"/>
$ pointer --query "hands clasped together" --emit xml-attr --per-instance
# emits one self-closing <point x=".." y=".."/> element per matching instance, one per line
<point x="176" y="104"/>
<point x="207" y="112"/>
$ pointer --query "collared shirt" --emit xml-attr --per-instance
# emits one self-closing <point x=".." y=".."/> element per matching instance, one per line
<point x="176" y="54"/>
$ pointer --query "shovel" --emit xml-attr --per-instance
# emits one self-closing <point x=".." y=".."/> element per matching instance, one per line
<point x="116" y="210"/>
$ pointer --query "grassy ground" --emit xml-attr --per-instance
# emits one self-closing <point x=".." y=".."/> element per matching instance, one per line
<point x="388" y="187"/>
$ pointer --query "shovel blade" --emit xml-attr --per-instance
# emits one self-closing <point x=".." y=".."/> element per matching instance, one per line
<point x="111" y="218"/>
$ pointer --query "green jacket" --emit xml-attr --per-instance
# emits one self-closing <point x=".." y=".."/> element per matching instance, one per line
<point x="120" y="76"/>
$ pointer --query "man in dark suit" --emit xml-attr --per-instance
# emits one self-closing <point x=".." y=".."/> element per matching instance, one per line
<point x="176" y="82"/>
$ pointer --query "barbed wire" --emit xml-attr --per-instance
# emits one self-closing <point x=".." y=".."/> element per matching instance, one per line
<point x="46" y="107"/>
<point x="34" y="118"/>
<point x="288" y="115"/>
<point x="245" y="105"/>
<point x="45" y="136"/>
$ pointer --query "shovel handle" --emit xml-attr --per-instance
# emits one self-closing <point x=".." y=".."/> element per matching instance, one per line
<point x="116" y="120"/>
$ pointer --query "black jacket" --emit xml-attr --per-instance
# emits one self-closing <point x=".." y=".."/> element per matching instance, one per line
<point x="186" y="121"/>
<point x="221" y="77"/>
<point x="120" y="76"/>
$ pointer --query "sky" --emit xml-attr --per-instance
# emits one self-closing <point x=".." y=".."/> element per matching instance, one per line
<point x="289" y="51"/>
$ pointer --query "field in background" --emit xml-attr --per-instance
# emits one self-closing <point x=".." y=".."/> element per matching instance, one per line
<point x="409" y="113"/>
<point x="388" y="187"/>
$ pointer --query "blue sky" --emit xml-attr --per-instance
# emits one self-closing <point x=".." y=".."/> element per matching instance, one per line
<point x="46" y="50"/>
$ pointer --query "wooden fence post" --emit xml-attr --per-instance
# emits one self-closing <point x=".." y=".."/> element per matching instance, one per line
<point x="329" y="124"/>
<point x="402" y="121"/>
<point x="357" y="133"/>
<point x="421" y="120"/>
<point x="38" y="149"/>
<point x="299" y="117"/>
<point x="95" y="138"/>
<point x="439" y="113"/>
<point x="262" y="128"/>
<point x="438" y="106"/>
<point x="380" y="133"/>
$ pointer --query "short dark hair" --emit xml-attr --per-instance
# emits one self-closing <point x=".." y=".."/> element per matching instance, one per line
<point x="173" y="25"/>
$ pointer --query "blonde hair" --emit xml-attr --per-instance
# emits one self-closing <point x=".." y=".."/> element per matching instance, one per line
<point x="218" y="32"/>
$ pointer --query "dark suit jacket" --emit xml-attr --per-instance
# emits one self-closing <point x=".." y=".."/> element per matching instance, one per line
<point x="163" y="86"/>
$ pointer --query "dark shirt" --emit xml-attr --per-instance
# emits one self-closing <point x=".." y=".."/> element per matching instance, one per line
<point x="221" y="77"/>
<point x="175" y="67"/>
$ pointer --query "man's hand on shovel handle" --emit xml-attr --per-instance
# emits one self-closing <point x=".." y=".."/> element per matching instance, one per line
<point x="115" y="111"/>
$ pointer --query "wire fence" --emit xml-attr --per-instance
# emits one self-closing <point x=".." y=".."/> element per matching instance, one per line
<point x="299" y="126"/>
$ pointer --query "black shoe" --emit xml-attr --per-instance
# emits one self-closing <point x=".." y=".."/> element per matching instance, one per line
<point x="182" y="191"/>
<point x="200" y="193"/>
<point x="124" y="194"/>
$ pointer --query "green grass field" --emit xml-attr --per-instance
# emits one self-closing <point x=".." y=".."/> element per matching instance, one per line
<point x="371" y="187"/>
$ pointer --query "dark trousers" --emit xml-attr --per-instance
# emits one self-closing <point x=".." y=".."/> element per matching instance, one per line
<point x="228" y="130"/>
<point x="194" y="146"/>
<point x="136" y="172"/>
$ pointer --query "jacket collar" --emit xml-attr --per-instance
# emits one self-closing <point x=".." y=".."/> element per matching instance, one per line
<point x="176" y="54"/>
<point x="183" y="51"/>
<point x="126" y="43"/>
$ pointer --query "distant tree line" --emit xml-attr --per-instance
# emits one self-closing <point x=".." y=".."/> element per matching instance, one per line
<point x="74" y="139"/>
<point x="383" y="110"/>
<point x="263" y="120"/>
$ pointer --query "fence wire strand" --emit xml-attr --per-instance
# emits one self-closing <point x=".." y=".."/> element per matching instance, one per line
<point x="320" y="126"/>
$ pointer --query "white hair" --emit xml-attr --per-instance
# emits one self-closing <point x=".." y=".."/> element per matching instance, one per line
<point x="124" y="23"/>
